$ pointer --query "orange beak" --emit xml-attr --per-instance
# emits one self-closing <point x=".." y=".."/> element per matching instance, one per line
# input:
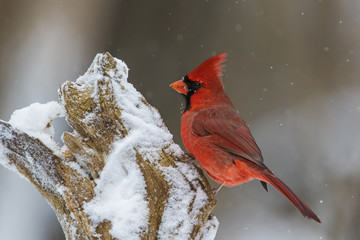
<point x="180" y="86"/>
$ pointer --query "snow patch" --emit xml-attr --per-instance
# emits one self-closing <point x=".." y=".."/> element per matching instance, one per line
<point x="4" y="160"/>
<point x="120" y="195"/>
<point x="177" y="217"/>
<point x="208" y="232"/>
<point x="120" y="190"/>
<point x="121" y="185"/>
<point x="36" y="119"/>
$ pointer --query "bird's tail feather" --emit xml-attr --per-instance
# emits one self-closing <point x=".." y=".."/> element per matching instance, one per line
<point x="289" y="194"/>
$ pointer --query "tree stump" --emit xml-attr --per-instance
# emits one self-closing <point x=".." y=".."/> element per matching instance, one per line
<point x="119" y="174"/>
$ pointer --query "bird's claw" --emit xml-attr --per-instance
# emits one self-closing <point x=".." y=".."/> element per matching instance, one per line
<point x="216" y="190"/>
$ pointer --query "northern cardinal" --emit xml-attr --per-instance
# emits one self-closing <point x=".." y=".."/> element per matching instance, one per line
<point x="218" y="137"/>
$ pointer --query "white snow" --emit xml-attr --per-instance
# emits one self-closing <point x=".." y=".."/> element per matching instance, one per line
<point x="36" y="119"/>
<point x="120" y="190"/>
<point x="209" y="230"/>
<point x="176" y="216"/>
<point x="4" y="152"/>
<point x="4" y="159"/>
<point x="121" y="195"/>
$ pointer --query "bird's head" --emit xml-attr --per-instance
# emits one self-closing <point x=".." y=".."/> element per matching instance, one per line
<point x="203" y="82"/>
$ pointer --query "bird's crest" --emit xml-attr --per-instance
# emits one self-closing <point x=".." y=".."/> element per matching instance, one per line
<point x="210" y="69"/>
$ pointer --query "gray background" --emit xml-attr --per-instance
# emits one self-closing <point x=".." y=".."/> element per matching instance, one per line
<point x="292" y="72"/>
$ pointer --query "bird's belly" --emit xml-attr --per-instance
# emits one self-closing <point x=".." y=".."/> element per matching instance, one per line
<point x="221" y="166"/>
<point x="230" y="173"/>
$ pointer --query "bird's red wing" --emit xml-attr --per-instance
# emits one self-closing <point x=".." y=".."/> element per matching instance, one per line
<point x="228" y="132"/>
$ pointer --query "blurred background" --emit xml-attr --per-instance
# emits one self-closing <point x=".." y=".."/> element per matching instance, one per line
<point x="292" y="72"/>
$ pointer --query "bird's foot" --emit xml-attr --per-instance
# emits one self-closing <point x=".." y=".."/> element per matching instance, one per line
<point x="216" y="190"/>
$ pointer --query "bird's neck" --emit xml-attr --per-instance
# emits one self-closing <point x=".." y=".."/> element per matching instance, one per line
<point x="202" y="101"/>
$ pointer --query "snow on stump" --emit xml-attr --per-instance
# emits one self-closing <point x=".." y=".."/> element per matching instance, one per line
<point x="119" y="174"/>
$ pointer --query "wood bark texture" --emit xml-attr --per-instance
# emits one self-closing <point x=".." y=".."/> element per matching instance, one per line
<point x="67" y="189"/>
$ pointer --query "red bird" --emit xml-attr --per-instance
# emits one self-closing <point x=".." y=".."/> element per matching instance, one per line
<point x="219" y="138"/>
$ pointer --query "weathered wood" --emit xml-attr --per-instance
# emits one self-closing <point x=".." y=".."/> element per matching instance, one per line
<point x="95" y="115"/>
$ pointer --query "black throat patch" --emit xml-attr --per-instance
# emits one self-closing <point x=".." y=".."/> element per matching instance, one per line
<point x="192" y="88"/>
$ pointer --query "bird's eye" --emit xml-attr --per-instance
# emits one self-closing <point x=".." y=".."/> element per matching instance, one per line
<point x="192" y="85"/>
